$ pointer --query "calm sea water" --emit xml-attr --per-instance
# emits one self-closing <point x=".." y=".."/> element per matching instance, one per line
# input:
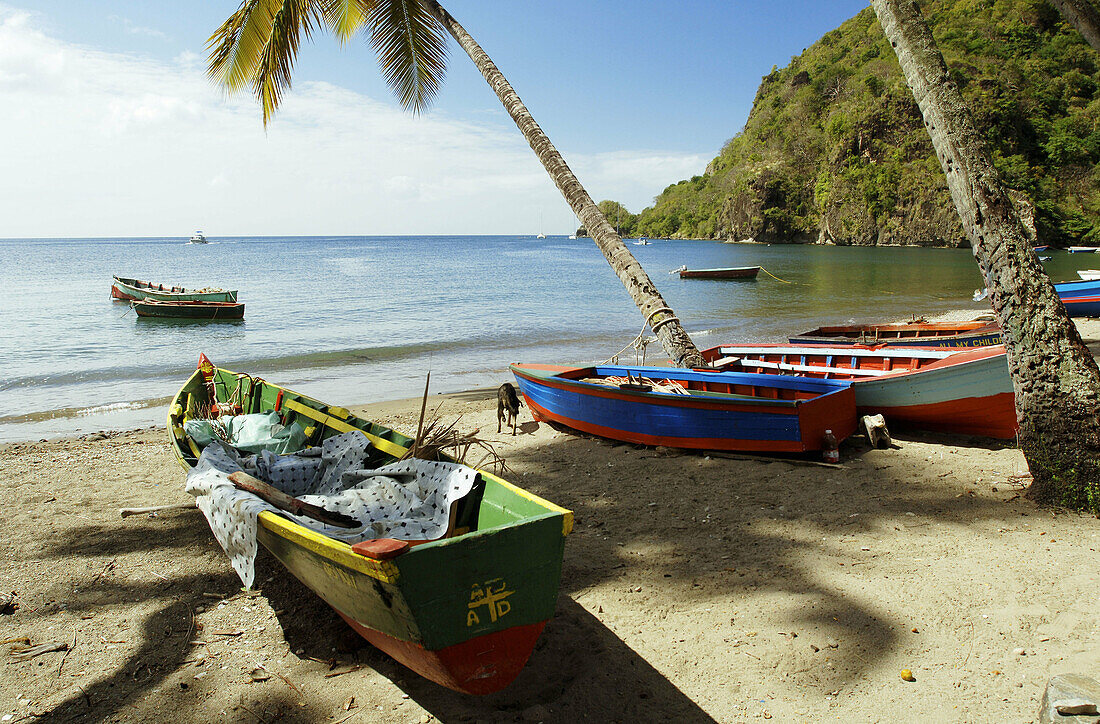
<point x="362" y="319"/>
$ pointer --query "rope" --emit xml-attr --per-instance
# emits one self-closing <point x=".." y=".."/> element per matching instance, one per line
<point x="773" y="276"/>
<point x="662" y="322"/>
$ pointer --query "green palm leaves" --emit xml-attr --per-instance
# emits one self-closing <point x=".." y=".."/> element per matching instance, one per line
<point x="257" y="45"/>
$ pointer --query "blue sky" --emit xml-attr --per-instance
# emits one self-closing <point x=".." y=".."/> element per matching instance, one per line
<point x="636" y="95"/>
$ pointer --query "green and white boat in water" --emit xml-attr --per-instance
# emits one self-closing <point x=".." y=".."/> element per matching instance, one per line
<point x="132" y="290"/>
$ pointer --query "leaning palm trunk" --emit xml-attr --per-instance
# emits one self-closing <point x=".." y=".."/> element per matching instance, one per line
<point x="1056" y="380"/>
<point x="1082" y="15"/>
<point x="643" y="291"/>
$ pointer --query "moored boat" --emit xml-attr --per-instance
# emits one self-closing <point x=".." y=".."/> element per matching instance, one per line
<point x="1083" y="249"/>
<point x="909" y="334"/>
<point x="965" y="391"/>
<point x="694" y="409"/>
<point x="465" y="610"/>
<point x="735" y="272"/>
<point x="1089" y="274"/>
<point x="189" y="310"/>
<point x="136" y="289"/>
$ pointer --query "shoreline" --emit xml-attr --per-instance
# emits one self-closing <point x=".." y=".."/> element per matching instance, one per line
<point x="125" y="415"/>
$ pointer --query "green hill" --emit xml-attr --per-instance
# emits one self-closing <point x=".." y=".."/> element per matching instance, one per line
<point x="834" y="149"/>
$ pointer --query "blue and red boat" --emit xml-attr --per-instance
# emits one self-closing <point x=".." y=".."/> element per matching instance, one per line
<point x="950" y="390"/>
<point x="1083" y="306"/>
<point x="1077" y="288"/>
<point x="695" y="409"/>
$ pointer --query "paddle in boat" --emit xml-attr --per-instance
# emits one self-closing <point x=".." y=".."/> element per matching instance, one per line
<point x="134" y="289"/>
<point x="189" y="310"/>
<point x="909" y="334"/>
<point x="733" y="272"/>
<point x="464" y="610"/>
<point x="696" y="409"/>
<point x="965" y="391"/>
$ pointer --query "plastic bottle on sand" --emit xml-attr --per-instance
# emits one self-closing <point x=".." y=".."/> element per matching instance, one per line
<point x="831" y="449"/>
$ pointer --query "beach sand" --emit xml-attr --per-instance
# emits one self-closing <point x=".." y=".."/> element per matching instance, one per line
<point x="694" y="588"/>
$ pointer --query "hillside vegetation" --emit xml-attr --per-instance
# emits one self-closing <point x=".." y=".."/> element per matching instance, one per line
<point x="834" y="149"/>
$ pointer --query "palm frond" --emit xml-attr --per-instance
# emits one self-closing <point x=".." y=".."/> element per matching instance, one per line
<point x="412" y="50"/>
<point x="258" y="44"/>
<point x="345" y="17"/>
<point x="235" y="47"/>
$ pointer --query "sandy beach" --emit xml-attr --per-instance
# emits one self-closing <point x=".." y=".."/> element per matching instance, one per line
<point x="694" y="588"/>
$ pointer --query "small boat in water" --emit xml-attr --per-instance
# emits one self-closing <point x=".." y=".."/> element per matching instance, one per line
<point x="695" y="409"/>
<point x="188" y="310"/>
<point x="198" y="238"/>
<point x="1083" y="249"/>
<point x="134" y="289"/>
<point x="465" y="610"/>
<point x="908" y="334"/>
<point x="965" y="391"/>
<point x="1040" y="248"/>
<point x="734" y="272"/>
<point x="1089" y="275"/>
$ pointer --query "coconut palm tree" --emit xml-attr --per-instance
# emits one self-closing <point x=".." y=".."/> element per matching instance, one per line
<point x="1082" y="15"/>
<point x="256" y="48"/>
<point x="1055" y="378"/>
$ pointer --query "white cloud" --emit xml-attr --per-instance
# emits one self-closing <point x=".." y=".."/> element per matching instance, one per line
<point x="130" y="27"/>
<point x="108" y="144"/>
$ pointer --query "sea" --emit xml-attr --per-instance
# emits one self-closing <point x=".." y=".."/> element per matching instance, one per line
<point x="360" y="319"/>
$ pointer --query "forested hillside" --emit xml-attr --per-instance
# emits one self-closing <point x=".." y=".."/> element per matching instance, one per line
<point x="834" y="149"/>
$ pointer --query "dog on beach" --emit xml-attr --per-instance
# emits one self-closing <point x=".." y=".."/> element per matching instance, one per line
<point x="507" y="406"/>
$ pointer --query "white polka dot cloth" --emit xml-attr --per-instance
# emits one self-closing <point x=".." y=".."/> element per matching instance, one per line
<point x="407" y="500"/>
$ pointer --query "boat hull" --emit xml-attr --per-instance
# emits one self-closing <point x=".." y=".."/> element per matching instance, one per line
<point x="463" y="611"/>
<point x="1083" y="306"/>
<point x="1078" y="288"/>
<point x="914" y="334"/>
<point x="189" y="310"/>
<point x="710" y="421"/>
<point x="743" y="272"/>
<point x="135" y="290"/>
<point x="960" y="391"/>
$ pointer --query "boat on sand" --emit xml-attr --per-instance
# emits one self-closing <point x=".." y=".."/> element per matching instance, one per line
<point x="966" y="391"/>
<point x="910" y="334"/>
<point x="465" y="610"/>
<point x="695" y="409"/>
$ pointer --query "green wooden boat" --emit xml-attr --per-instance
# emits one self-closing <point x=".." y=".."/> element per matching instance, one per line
<point x="465" y="610"/>
<point x="134" y="289"/>
<point x="189" y="310"/>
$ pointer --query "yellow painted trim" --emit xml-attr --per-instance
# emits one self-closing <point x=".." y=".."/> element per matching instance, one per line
<point x="334" y="423"/>
<point x="329" y="548"/>
<point x="567" y="515"/>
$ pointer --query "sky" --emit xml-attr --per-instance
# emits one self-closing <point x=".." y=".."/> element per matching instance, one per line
<point x="109" y="126"/>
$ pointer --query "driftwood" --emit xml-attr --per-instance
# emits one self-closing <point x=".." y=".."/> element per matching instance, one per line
<point x="31" y="652"/>
<point x="127" y="512"/>
<point x="281" y="500"/>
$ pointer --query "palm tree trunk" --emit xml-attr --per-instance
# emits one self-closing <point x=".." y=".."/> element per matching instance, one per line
<point x="1082" y="15"/>
<point x="1056" y="380"/>
<point x="661" y="319"/>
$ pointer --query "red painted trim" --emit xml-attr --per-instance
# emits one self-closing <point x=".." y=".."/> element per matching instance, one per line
<point x="117" y="294"/>
<point x="480" y="665"/>
<point x="993" y="416"/>
<point x="694" y="443"/>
